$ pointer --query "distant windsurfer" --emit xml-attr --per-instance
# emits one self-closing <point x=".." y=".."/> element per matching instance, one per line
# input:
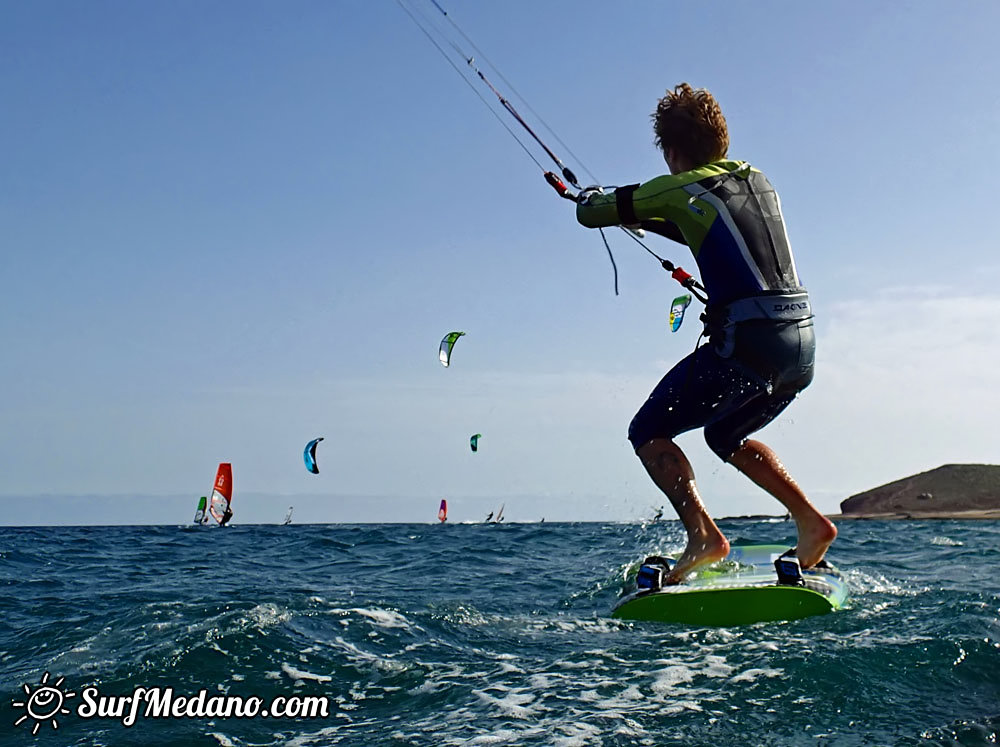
<point x="758" y="319"/>
<point x="226" y="516"/>
<point x="489" y="517"/>
<point x="659" y="514"/>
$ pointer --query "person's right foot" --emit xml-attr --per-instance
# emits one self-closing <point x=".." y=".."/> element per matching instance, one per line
<point x="815" y="537"/>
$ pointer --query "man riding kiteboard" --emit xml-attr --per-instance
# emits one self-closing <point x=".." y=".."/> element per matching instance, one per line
<point x="758" y="320"/>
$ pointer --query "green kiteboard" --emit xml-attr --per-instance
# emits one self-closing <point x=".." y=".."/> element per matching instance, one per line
<point x="742" y="589"/>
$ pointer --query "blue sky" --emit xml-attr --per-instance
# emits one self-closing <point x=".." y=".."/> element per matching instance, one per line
<point x="231" y="227"/>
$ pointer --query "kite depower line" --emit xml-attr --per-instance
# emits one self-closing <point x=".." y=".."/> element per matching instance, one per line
<point x="436" y="36"/>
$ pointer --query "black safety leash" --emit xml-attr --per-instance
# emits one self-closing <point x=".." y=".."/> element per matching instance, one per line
<point x="679" y="274"/>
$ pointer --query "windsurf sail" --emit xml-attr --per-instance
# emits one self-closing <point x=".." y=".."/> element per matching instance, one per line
<point x="222" y="494"/>
<point x="677" y="309"/>
<point x="474" y="441"/>
<point x="288" y="516"/>
<point x="310" y="456"/>
<point x="199" y="515"/>
<point x="443" y="511"/>
<point x="444" y="352"/>
<point x="499" y="516"/>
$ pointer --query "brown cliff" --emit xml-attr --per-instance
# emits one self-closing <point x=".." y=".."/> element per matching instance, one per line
<point x="950" y="491"/>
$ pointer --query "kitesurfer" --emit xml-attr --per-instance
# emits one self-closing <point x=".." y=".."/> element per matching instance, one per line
<point x="758" y="320"/>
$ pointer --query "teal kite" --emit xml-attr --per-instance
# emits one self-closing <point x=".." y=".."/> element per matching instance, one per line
<point x="309" y="455"/>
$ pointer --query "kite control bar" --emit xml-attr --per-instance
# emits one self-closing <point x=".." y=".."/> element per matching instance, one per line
<point x="557" y="183"/>
<point x="563" y="191"/>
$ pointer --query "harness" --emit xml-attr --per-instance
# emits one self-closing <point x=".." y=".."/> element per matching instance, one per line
<point x="721" y="321"/>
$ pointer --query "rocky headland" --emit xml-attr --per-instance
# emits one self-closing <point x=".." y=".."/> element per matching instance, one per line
<point x="952" y="491"/>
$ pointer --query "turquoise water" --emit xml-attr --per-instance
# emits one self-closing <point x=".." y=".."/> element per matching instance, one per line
<point x="494" y="635"/>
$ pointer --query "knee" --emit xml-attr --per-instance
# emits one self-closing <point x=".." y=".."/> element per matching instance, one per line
<point x="638" y="433"/>
<point x="659" y="453"/>
<point x="723" y="443"/>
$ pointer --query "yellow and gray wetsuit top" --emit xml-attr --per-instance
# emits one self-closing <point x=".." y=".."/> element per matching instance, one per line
<point x="727" y="212"/>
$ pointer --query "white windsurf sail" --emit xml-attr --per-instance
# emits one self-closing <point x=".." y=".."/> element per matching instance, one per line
<point x="288" y="516"/>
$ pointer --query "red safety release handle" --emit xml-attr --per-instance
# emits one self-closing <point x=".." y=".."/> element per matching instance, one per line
<point x="557" y="184"/>
<point x="681" y="275"/>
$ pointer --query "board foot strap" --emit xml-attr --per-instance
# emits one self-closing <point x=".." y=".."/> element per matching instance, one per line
<point x="652" y="573"/>
<point x="787" y="567"/>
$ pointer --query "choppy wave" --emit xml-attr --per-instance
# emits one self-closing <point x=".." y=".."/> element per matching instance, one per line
<point x="499" y="635"/>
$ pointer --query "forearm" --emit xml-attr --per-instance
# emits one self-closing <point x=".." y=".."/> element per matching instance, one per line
<point x="617" y="208"/>
<point x="599" y="211"/>
<point x="665" y="228"/>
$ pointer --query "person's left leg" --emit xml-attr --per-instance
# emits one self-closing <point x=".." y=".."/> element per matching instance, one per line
<point x="689" y="395"/>
<point x="671" y="471"/>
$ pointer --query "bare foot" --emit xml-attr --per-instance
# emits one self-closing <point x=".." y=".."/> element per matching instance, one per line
<point x="816" y="534"/>
<point x="700" y="551"/>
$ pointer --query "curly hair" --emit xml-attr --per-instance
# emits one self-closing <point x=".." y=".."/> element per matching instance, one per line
<point x="690" y="120"/>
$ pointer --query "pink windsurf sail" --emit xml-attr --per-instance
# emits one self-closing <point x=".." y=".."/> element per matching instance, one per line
<point x="443" y="511"/>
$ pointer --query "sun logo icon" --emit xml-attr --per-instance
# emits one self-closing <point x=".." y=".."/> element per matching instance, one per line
<point x="44" y="703"/>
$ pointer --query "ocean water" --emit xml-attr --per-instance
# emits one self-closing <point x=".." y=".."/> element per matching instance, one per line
<point x="423" y="634"/>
